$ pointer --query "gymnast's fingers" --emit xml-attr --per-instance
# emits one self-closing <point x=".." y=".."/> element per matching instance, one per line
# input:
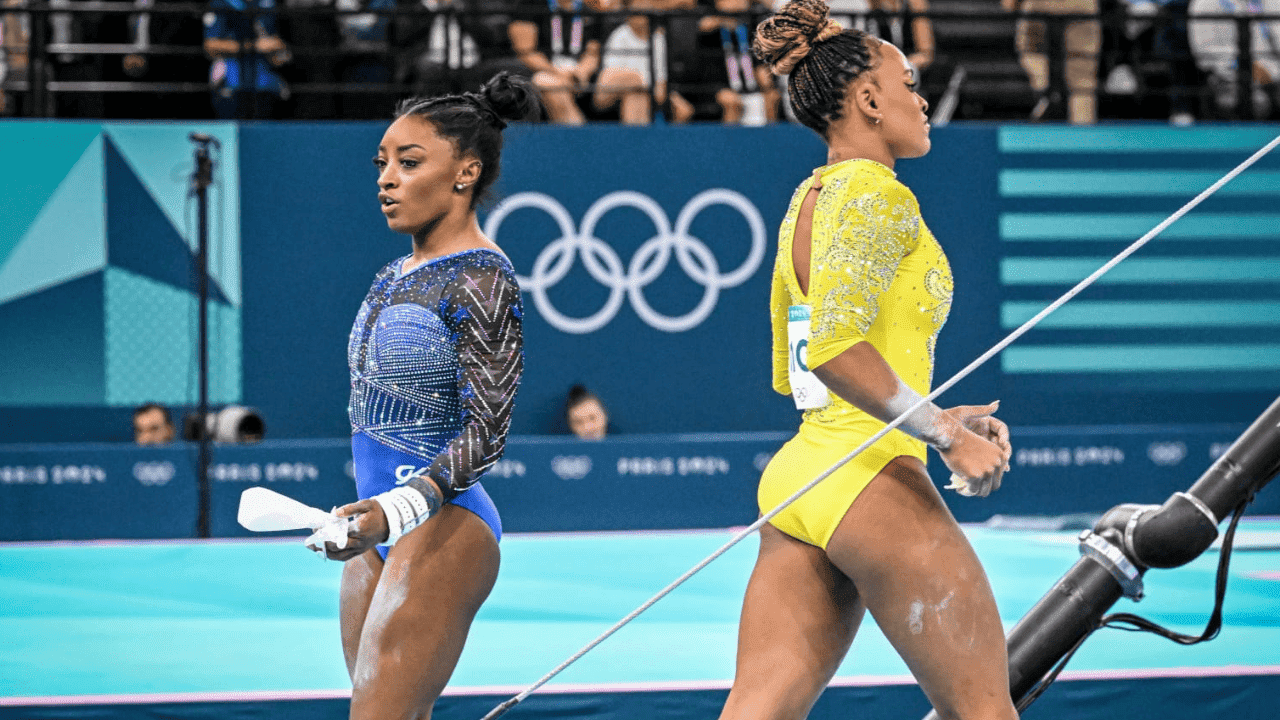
<point x="971" y="415"/>
<point x="998" y="432"/>
<point x="355" y="508"/>
<point x="996" y="478"/>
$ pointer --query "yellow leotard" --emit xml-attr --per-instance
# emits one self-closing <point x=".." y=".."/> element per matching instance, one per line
<point x="876" y="273"/>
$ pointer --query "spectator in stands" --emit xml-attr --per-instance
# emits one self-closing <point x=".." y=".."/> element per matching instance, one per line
<point x="15" y="28"/>
<point x="1081" y="41"/>
<point x="462" y="45"/>
<point x="1216" y="49"/>
<point x="906" y="24"/>
<point x="560" y="44"/>
<point x="311" y="37"/>
<point x="246" y="50"/>
<point x="585" y="414"/>
<point x="1144" y="48"/>
<point x="625" y="79"/>
<point x="743" y="90"/>
<point x="152" y="425"/>
<point x="437" y="47"/>
<point x="488" y="25"/>
<point x="144" y="30"/>
<point x="366" y="52"/>
<point x="65" y="65"/>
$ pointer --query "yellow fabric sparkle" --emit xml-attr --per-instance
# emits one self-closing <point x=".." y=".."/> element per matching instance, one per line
<point x="877" y="274"/>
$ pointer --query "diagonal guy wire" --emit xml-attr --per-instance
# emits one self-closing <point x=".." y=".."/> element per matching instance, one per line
<point x="502" y="708"/>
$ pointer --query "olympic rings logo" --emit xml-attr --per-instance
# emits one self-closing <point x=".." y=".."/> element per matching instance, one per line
<point x="651" y="259"/>
<point x="154" y="474"/>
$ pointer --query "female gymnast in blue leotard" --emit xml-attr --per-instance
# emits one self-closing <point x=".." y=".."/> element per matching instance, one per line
<point x="435" y="357"/>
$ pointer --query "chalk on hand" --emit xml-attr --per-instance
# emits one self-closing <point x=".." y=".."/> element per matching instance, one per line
<point x="334" y="530"/>
<point x="961" y="485"/>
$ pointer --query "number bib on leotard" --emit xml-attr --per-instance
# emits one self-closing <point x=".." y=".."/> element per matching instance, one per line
<point x="806" y="389"/>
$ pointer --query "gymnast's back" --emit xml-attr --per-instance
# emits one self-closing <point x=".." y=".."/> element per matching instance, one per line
<point x="876" y="273"/>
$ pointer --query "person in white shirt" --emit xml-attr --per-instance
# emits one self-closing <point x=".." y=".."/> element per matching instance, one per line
<point x="625" y="78"/>
<point x="1215" y="47"/>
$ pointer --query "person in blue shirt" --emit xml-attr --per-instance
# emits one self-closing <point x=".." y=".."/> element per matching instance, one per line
<point x="241" y="38"/>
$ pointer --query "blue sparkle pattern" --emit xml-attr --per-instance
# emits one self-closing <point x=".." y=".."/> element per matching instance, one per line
<point x="436" y="356"/>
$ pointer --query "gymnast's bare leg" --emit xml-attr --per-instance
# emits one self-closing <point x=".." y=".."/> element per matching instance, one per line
<point x="900" y="553"/>
<point x="799" y="616"/>
<point x="404" y="622"/>
<point x="922" y="582"/>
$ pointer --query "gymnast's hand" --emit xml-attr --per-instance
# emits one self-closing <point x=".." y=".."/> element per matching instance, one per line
<point x="368" y="528"/>
<point x="977" y="461"/>
<point x="982" y="421"/>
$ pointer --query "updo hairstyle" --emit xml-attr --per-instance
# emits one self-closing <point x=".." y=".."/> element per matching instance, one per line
<point x="474" y="120"/>
<point x="820" y="57"/>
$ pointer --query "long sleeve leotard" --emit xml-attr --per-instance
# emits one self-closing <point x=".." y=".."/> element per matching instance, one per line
<point x="435" y="356"/>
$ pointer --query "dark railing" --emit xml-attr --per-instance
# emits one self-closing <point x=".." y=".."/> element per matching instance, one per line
<point x="336" y="72"/>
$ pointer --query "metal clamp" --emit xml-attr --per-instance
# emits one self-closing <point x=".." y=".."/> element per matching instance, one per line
<point x="1109" y="556"/>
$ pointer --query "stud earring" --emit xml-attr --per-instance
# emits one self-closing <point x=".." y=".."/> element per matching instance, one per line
<point x="459" y="187"/>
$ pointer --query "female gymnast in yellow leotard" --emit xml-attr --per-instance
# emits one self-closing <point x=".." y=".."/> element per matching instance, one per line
<point x="876" y="535"/>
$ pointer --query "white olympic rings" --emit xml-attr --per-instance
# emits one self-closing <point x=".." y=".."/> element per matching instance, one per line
<point x="650" y="260"/>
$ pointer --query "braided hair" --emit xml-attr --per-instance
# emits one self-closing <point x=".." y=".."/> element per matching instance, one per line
<point x="474" y="121"/>
<point x="821" y="58"/>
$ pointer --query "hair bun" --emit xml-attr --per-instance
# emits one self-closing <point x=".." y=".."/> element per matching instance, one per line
<point x="510" y="97"/>
<point x="784" y="39"/>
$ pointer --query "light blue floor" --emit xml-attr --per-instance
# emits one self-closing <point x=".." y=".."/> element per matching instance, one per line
<point x="109" y="619"/>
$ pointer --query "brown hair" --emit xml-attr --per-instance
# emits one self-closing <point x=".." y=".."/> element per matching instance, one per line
<point x="820" y="57"/>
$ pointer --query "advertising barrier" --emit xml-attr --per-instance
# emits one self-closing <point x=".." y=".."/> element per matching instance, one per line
<point x="560" y="484"/>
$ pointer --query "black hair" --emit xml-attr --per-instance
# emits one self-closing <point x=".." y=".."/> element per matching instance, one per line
<point x="474" y="121"/>
<point x="819" y="81"/>
<point x="578" y="394"/>
<point x="820" y="58"/>
<point x="148" y="407"/>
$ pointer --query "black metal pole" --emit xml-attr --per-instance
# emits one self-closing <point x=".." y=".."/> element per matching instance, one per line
<point x="200" y="181"/>
<point x="38" y="65"/>
<point x="1244" y="69"/>
<point x="1055" y="35"/>
<point x="1164" y="536"/>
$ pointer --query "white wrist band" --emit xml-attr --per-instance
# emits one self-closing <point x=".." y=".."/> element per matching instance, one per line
<point x="405" y="509"/>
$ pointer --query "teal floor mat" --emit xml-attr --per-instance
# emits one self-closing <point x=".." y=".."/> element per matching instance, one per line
<point x="261" y="616"/>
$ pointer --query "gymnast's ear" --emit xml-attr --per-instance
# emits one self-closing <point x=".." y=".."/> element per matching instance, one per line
<point x="863" y="100"/>
<point x="469" y="169"/>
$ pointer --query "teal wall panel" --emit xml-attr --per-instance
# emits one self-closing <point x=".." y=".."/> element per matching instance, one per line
<point x="96" y="253"/>
<point x="52" y="352"/>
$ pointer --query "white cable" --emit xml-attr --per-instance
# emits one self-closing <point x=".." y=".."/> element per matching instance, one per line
<point x="500" y="709"/>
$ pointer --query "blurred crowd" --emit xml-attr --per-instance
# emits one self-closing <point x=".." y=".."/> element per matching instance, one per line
<point x="628" y="61"/>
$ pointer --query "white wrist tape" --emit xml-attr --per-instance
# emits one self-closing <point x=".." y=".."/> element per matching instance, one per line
<point x="405" y="508"/>
<point x="927" y="422"/>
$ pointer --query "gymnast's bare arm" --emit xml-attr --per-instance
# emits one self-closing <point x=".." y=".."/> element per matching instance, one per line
<point x="972" y="443"/>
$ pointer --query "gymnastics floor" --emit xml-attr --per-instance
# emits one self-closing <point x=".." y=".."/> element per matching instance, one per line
<point x="248" y="629"/>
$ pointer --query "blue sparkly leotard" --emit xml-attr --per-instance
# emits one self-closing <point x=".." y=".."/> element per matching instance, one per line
<point x="436" y="356"/>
